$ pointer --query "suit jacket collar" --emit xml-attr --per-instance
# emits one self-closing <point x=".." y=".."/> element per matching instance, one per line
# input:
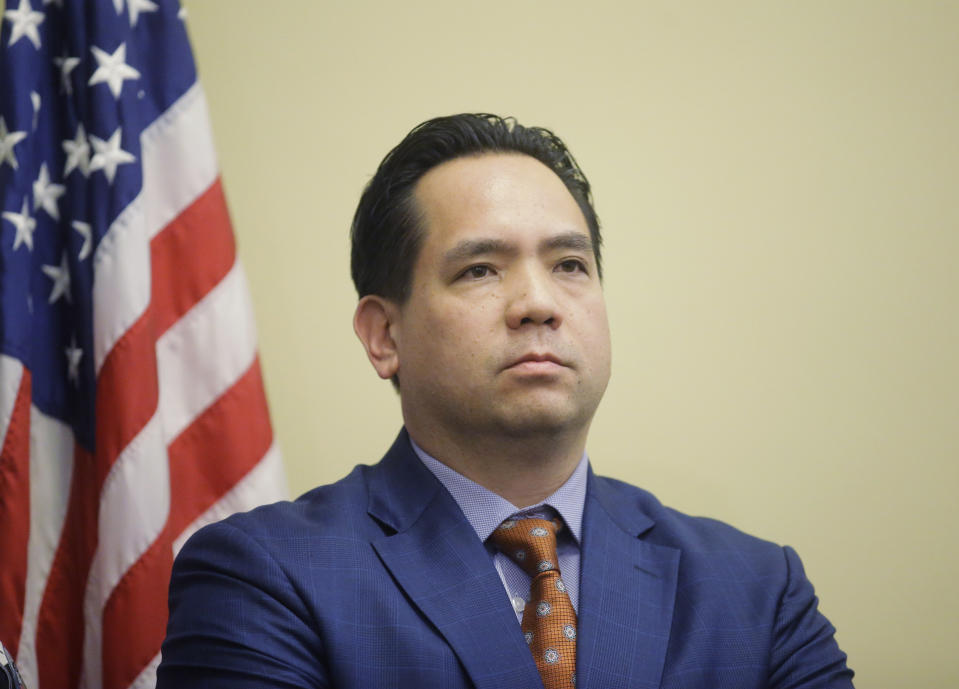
<point x="400" y="488"/>
<point x="627" y="591"/>
<point x="438" y="560"/>
<point x="627" y="585"/>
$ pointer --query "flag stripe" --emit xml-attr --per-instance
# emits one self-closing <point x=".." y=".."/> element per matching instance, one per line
<point x="11" y="370"/>
<point x="217" y="338"/>
<point x="130" y="366"/>
<point x="236" y="424"/>
<point x="121" y="286"/>
<point x="14" y="497"/>
<point x="179" y="160"/>
<point x="190" y="256"/>
<point x="56" y="571"/>
<point x="205" y="477"/>
<point x="147" y="679"/>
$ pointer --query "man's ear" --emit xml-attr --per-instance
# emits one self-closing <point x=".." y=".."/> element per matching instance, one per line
<point x="373" y="323"/>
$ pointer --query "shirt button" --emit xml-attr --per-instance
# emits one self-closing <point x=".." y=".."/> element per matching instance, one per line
<point x="518" y="604"/>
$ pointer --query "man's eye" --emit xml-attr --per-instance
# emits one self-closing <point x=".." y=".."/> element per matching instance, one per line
<point x="477" y="272"/>
<point x="571" y="265"/>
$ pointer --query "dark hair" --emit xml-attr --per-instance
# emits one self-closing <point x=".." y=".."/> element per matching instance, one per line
<point x="387" y="229"/>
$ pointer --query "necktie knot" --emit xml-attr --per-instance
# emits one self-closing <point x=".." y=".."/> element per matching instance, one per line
<point x="530" y="543"/>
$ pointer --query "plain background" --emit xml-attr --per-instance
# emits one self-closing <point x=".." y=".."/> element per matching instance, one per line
<point x="777" y="184"/>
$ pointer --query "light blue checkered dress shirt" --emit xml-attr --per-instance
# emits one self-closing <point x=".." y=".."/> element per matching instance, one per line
<point x="486" y="510"/>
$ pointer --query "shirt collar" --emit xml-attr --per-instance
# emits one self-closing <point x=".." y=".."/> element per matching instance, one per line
<point x="485" y="510"/>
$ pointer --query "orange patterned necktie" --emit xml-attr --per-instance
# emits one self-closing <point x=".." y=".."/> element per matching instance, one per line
<point x="549" y="620"/>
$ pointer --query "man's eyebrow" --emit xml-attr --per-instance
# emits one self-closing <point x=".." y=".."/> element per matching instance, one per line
<point x="471" y="248"/>
<point x="575" y="241"/>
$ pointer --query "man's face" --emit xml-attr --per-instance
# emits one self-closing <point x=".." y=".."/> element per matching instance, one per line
<point x="505" y="328"/>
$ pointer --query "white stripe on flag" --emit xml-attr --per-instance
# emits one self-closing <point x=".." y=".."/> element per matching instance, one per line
<point x="179" y="161"/>
<point x="121" y="280"/>
<point x="51" y="470"/>
<point x="147" y="679"/>
<point x="204" y="353"/>
<point x="11" y="373"/>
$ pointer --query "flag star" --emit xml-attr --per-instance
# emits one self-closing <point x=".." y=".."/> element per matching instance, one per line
<point x="61" y="279"/>
<point x="45" y="194"/>
<point x="24" y="224"/>
<point x="74" y="356"/>
<point x="108" y="154"/>
<point x="181" y="15"/>
<point x="78" y="153"/>
<point x="112" y="69"/>
<point x="8" y="140"/>
<point x="66" y="65"/>
<point x="84" y="230"/>
<point x="25" y="22"/>
<point x="137" y="6"/>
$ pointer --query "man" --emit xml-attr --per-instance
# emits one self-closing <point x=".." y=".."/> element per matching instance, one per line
<point x="476" y="254"/>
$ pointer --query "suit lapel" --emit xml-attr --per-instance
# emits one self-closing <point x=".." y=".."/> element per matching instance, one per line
<point x="628" y="590"/>
<point x="439" y="562"/>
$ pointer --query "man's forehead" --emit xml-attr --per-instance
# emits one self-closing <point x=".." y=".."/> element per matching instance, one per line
<point x="511" y="190"/>
<point x="486" y="165"/>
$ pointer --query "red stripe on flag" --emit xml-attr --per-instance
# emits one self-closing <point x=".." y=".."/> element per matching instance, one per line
<point x="216" y="451"/>
<point x="127" y="394"/>
<point x="190" y="256"/>
<point x="219" y="449"/>
<point x="15" y="516"/>
<point x="60" y="621"/>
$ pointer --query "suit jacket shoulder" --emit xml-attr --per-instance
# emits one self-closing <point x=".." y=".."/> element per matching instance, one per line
<point x="696" y="536"/>
<point x="729" y="609"/>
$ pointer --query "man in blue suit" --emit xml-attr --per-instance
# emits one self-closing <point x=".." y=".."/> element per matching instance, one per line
<point x="476" y="254"/>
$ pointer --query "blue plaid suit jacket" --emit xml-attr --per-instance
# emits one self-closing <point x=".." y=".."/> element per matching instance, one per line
<point x="378" y="581"/>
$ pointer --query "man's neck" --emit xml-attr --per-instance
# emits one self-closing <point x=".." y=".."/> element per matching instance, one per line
<point x="524" y="471"/>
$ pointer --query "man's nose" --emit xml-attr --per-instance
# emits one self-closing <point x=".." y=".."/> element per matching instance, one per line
<point x="532" y="299"/>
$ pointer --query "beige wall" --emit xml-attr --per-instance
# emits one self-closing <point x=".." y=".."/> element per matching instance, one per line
<point x="777" y="183"/>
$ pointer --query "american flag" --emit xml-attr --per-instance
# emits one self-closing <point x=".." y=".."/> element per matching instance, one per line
<point x="132" y="409"/>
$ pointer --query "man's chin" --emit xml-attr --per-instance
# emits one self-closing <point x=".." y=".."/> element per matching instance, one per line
<point x="536" y="420"/>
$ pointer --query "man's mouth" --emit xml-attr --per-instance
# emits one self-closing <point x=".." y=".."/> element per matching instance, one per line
<point x="537" y="362"/>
